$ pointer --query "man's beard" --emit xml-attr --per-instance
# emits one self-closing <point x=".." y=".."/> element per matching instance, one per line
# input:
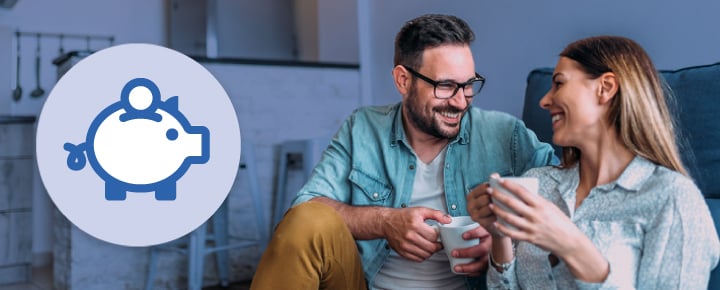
<point x="425" y="123"/>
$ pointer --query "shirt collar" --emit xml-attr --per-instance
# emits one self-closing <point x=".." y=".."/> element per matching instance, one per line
<point x="463" y="136"/>
<point x="397" y="133"/>
<point x="636" y="173"/>
<point x="632" y="178"/>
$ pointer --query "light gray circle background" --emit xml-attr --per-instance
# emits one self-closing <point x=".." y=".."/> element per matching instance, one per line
<point x="95" y="83"/>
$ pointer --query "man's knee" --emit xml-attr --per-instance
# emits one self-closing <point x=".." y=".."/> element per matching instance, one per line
<point x="311" y="247"/>
<point x="308" y="222"/>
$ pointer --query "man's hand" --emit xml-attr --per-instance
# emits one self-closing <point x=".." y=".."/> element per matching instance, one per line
<point x="478" y="201"/>
<point x="408" y="234"/>
<point x="479" y="253"/>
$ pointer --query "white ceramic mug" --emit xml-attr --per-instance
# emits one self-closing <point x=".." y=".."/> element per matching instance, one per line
<point x="451" y="237"/>
<point x="529" y="183"/>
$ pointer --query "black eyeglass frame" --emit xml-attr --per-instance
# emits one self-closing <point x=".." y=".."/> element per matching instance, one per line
<point x="478" y="78"/>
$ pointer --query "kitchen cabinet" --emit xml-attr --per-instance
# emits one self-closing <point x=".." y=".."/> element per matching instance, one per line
<point x="17" y="147"/>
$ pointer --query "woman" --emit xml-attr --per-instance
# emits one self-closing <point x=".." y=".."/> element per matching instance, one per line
<point x="620" y="211"/>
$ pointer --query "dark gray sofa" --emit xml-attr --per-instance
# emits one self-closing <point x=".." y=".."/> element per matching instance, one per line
<point x="697" y="92"/>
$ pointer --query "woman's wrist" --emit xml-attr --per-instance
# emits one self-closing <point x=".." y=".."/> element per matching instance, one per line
<point x="502" y="249"/>
<point x="497" y="236"/>
<point x="502" y="253"/>
<point x="585" y="261"/>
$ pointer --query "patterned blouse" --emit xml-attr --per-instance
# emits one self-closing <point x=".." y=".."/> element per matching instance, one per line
<point x="652" y="224"/>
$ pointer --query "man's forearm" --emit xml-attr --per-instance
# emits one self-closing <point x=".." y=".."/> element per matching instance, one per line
<point x="364" y="222"/>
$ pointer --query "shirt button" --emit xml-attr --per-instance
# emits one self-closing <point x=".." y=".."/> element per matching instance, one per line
<point x="412" y="167"/>
<point x="506" y="281"/>
<point x="403" y="205"/>
<point x="375" y="195"/>
<point x="453" y="206"/>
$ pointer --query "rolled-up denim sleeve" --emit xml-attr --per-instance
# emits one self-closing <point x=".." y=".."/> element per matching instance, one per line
<point x="528" y="152"/>
<point x="330" y="176"/>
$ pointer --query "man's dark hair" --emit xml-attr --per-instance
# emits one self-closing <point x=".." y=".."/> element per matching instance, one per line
<point x="428" y="31"/>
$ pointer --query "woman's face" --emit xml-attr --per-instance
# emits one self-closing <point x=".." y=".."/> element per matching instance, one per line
<point x="574" y="105"/>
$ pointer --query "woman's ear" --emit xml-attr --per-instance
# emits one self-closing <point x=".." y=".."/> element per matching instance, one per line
<point x="401" y="77"/>
<point x="608" y="87"/>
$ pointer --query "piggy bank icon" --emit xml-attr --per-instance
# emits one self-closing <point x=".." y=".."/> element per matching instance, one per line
<point x="141" y="144"/>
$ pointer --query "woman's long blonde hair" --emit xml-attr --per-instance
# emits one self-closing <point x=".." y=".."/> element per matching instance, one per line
<point x="639" y="111"/>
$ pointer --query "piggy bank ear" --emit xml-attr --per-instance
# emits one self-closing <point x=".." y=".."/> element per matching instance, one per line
<point x="171" y="104"/>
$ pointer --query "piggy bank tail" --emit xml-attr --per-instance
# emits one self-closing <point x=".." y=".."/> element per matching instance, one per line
<point x="76" y="158"/>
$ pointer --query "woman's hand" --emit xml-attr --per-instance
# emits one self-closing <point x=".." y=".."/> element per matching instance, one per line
<point x="537" y="221"/>
<point x="543" y="224"/>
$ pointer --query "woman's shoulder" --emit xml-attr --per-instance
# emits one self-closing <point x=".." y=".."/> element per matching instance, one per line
<point x="550" y="172"/>
<point x="553" y="179"/>
<point x="674" y="186"/>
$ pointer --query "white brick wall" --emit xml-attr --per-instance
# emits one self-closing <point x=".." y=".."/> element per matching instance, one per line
<point x="275" y="104"/>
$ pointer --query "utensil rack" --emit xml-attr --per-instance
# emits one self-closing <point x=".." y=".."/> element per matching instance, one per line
<point x="61" y="36"/>
<point x="74" y="42"/>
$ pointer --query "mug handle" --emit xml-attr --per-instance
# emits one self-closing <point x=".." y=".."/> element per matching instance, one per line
<point x="437" y="231"/>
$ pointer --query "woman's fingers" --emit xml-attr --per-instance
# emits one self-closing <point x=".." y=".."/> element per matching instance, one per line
<point x="510" y="218"/>
<point x="529" y="198"/>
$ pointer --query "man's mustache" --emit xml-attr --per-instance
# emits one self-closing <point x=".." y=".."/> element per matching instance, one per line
<point x="450" y="109"/>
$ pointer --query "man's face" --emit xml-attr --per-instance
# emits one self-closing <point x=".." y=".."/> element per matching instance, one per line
<point x="439" y="118"/>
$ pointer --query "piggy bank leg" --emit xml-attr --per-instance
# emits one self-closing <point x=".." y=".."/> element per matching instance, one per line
<point x="114" y="191"/>
<point x="165" y="191"/>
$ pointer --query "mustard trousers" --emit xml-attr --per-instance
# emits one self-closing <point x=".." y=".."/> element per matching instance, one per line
<point x="312" y="248"/>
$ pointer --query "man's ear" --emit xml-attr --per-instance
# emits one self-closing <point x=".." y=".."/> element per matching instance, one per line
<point x="402" y="79"/>
<point x="608" y="87"/>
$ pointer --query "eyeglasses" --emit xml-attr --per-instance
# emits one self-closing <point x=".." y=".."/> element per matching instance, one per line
<point x="447" y="89"/>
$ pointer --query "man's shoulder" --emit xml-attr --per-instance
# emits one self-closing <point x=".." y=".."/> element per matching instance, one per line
<point x="491" y="121"/>
<point x="489" y="115"/>
<point x="384" y="110"/>
<point x="375" y="114"/>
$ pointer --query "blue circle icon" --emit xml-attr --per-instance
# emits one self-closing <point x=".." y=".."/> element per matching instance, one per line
<point x="159" y="134"/>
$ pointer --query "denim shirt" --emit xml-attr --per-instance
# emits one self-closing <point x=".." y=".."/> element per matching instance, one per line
<point x="369" y="162"/>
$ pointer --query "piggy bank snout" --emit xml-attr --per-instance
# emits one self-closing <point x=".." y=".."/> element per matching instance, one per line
<point x="193" y="141"/>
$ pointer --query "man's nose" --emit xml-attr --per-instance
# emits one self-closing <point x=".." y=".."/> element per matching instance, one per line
<point x="459" y="100"/>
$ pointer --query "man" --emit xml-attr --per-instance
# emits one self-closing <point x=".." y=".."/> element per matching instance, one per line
<point x="390" y="170"/>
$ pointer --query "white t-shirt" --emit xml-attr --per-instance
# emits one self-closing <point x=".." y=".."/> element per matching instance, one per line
<point x="433" y="273"/>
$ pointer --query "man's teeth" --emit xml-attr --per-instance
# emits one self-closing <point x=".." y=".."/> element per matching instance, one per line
<point x="556" y="118"/>
<point x="450" y="115"/>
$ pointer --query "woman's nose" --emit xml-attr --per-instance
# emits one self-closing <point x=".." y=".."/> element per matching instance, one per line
<point x="545" y="101"/>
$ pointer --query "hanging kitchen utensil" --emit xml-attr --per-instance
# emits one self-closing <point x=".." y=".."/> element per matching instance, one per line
<point x="38" y="91"/>
<point x="17" y="92"/>
<point x="62" y="49"/>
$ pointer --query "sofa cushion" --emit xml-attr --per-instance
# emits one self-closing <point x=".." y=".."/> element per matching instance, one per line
<point x="697" y="94"/>
<point x="536" y="118"/>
